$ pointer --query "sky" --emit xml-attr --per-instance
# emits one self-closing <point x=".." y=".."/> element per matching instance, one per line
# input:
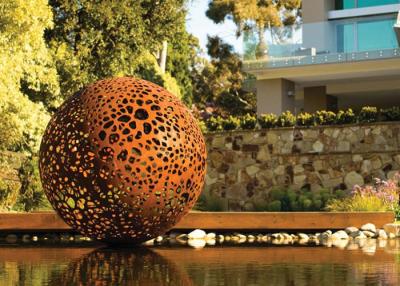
<point x="200" y="26"/>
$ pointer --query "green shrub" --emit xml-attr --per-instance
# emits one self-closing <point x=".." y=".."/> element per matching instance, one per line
<point x="267" y="120"/>
<point x="202" y="125"/>
<point x="248" y="121"/>
<point x="230" y="123"/>
<point x="305" y="119"/>
<point x="391" y="114"/>
<point x="368" y="114"/>
<point x="274" y="206"/>
<point x="397" y="212"/>
<point x="302" y="200"/>
<point x="286" y="119"/>
<point x="277" y="194"/>
<point x="345" y="117"/>
<point x="211" y="203"/>
<point x="31" y="196"/>
<point x="324" y="117"/>
<point x="214" y="124"/>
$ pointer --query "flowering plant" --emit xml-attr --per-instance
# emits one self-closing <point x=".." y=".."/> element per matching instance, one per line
<point x="386" y="191"/>
<point x="383" y="195"/>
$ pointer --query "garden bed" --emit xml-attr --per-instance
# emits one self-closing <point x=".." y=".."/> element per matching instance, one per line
<point x="50" y="221"/>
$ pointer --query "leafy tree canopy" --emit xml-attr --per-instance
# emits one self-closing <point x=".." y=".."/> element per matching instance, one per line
<point x="98" y="39"/>
<point x="26" y="70"/>
<point x="220" y="81"/>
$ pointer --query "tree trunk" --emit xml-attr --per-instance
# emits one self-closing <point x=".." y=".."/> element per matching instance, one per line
<point x="262" y="48"/>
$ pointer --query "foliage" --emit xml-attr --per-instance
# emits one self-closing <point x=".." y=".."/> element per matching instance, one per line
<point x="368" y="114"/>
<point x="267" y="120"/>
<point x="281" y="199"/>
<point x="391" y="114"/>
<point x="98" y="39"/>
<point x="305" y="119"/>
<point x="324" y="117"/>
<point x="214" y="124"/>
<point x="397" y="213"/>
<point x="248" y="121"/>
<point x="31" y="196"/>
<point x="8" y="193"/>
<point x="149" y="70"/>
<point x="230" y="123"/>
<point x="286" y="119"/>
<point x="345" y="117"/>
<point x="255" y="15"/>
<point x="28" y="76"/>
<point x="210" y="202"/>
<point x="202" y="126"/>
<point x="219" y="82"/>
<point x="181" y="59"/>
<point x="357" y="204"/>
<point x="381" y="196"/>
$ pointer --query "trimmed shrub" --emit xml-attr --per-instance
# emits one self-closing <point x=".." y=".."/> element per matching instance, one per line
<point x="324" y="117"/>
<point x="391" y="114"/>
<point x="346" y="117"/>
<point x="286" y="119"/>
<point x="302" y="200"/>
<point x="368" y="114"/>
<point x="230" y="123"/>
<point x="248" y="122"/>
<point x="202" y="125"/>
<point x="267" y="120"/>
<point x="214" y="124"/>
<point x="305" y="119"/>
<point x="211" y="203"/>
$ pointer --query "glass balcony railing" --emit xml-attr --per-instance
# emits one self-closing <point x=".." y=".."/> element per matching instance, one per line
<point x="335" y="41"/>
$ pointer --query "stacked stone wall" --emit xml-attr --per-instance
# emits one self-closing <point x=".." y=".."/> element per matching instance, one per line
<point x="244" y="166"/>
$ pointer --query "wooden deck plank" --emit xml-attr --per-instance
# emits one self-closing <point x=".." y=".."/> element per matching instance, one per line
<point x="50" y="221"/>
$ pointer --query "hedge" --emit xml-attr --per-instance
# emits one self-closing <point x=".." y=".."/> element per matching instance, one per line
<point x="320" y="118"/>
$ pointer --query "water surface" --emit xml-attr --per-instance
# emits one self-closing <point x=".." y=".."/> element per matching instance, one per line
<point x="231" y="265"/>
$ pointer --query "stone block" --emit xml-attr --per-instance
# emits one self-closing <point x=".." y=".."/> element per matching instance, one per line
<point x="352" y="179"/>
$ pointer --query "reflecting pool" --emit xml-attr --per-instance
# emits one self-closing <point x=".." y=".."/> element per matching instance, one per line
<point x="219" y="265"/>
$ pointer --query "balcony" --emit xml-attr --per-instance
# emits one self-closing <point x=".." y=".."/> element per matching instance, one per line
<point x="336" y="41"/>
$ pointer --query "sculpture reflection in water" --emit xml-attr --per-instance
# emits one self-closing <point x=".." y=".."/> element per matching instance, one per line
<point x="110" y="266"/>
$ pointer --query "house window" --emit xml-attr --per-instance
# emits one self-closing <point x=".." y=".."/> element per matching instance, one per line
<point x="366" y="35"/>
<point x="350" y="4"/>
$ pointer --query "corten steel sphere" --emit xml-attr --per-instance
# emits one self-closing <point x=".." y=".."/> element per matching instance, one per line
<point x="122" y="161"/>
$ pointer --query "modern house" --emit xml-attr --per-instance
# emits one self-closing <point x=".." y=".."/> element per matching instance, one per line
<point x="344" y="54"/>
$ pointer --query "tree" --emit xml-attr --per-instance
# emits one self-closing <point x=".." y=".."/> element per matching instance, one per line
<point x="182" y="54"/>
<point x="97" y="39"/>
<point x="220" y="81"/>
<point x="255" y="15"/>
<point x="26" y="71"/>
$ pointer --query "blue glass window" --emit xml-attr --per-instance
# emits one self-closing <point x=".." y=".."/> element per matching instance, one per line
<point x="349" y="4"/>
<point x="345" y="4"/>
<point x="366" y="35"/>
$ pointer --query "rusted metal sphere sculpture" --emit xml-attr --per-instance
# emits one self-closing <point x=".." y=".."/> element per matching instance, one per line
<point x="122" y="160"/>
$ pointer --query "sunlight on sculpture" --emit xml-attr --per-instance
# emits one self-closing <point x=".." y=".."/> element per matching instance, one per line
<point x="122" y="161"/>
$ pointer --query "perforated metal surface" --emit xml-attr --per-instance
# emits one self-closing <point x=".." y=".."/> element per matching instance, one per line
<point x="123" y="160"/>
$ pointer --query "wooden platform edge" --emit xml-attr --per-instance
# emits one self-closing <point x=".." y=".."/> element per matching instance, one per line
<point x="50" y="221"/>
